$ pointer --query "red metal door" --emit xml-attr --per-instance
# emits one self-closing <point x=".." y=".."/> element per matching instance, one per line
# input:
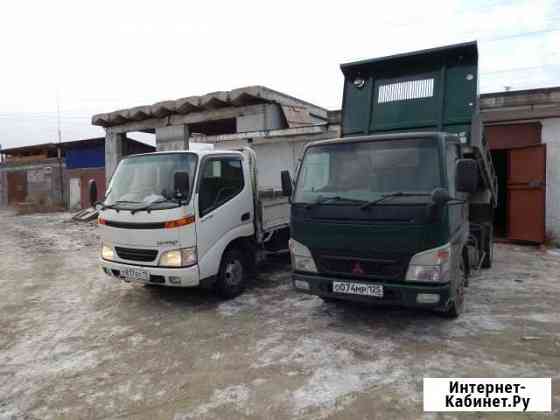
<point x="526" y="193"/>
<point x="17" y="187"/>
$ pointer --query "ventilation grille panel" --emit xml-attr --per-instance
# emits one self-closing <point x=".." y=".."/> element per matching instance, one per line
<point x="405" y="91"/>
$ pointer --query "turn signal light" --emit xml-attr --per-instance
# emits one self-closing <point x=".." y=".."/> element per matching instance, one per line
<point x="180" y="222"/>
<point x="101" y="221"/>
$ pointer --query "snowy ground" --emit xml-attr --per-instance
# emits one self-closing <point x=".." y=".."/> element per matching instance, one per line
<point x="76" y="344"/>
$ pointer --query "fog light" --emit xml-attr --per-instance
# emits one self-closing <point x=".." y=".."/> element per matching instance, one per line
<point x="300" y="284"/>
<point x="174" y="280"/>
<point x="427" y="298"/>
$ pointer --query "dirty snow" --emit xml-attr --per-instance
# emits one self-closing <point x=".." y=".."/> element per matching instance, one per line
<point x="78" y="344"/>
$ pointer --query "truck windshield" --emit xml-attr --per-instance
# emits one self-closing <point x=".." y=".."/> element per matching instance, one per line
<point x="365" y="171"/>
<point x="148" y="179"/>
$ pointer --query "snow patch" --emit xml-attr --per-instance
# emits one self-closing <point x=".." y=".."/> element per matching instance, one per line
<point x="235" y="306"/>
<point x="235" y="396"/>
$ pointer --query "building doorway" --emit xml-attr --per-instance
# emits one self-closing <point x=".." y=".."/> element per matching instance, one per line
<point x="520" y="162"/>
<point x="500" y="159"/>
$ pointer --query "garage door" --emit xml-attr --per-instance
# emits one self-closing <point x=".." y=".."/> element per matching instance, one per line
<point x="17" y="187"/>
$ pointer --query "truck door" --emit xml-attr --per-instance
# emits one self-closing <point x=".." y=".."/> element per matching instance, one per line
<point x="526" y="193"/>
<point x="225" y="209"/>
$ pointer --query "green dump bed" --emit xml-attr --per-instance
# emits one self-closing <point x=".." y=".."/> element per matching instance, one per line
<point x="429" y="90"/>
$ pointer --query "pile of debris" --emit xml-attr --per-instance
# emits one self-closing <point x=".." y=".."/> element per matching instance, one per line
<point x="86" y="215"/>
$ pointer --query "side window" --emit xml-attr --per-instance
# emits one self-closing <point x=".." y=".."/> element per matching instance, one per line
<point x="222" y="179"/>
<point x="452" y="156"/>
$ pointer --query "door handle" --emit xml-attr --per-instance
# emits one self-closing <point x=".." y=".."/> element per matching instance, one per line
<point x="245" y="216"/>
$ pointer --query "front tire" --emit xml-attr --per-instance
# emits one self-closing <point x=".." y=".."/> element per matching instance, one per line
<point x="457" y="305"/>
<point x="232" y="274"/>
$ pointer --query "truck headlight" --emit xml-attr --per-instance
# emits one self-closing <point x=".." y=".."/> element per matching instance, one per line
<point x="107" y="252"/>
<point x="430" y="266"/>
<point x="178" y="257"/>
<point x="302" y="260"/>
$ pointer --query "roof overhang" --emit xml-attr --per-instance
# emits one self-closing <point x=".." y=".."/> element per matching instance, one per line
<point x="251" y="95"/>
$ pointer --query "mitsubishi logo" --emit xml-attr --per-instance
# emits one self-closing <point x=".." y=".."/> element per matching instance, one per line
<point x="357" y="269"/>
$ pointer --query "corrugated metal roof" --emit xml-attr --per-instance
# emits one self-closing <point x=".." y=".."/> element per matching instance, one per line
<point x="250" y="95"/>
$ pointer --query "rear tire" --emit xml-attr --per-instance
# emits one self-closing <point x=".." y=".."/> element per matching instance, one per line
<point x="489" y="248"/>
<point x="231" y="277"/>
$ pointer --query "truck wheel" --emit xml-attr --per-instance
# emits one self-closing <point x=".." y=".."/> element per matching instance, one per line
<point x="458" y="303"/>
<point x="489" y="248"/>
<point x="231" y="277"/>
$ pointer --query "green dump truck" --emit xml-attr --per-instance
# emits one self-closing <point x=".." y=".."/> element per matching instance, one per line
<point x="399" y="210"/>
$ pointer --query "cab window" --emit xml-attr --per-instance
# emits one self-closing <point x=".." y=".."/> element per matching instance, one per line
<point x="222" y="179"/>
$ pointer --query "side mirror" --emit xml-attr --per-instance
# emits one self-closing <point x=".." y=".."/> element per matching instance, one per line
<point x="440" y="196"/>
<point x="434" y="210"/>
<point x="466" y="176"/>
<point x="287" y="187"/>
<point x="92" y="192"/>
<point x="181" y="184"/>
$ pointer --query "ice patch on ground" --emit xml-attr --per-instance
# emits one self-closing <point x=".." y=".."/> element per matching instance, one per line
<point x="328" y="384"/>
<point x="542" y="317"/>
<point x="554" y="252"/>
<point x="237" y="305"/>
<point x="235" y="396"/>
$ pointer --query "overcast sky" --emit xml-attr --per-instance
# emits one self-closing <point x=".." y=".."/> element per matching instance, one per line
<point x="104" y="55"/>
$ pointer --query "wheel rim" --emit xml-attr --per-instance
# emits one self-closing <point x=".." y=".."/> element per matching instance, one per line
<point x="234" y="273"/>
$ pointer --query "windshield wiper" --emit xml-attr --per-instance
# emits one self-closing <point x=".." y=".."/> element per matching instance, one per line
<point x="391" y="195"/>
<point x="148" y="207"/>
<point x="114" y="205"/>
<point x="322" y="200"/>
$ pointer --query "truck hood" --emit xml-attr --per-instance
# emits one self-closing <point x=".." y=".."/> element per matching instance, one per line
<point x="146" y="230"/>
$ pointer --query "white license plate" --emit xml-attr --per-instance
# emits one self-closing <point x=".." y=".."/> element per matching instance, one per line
<point x="134" y="274"/>
<point x="363" y="289"/>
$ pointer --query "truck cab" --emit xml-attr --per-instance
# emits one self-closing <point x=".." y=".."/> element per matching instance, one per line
<point x="184" y="219"/>
<point x="397" y="211"/>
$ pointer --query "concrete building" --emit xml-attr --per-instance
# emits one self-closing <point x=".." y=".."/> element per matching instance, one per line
<point x="523" y="132"/>
<point x="56" y="174"/>
<point x="268" y="121"/>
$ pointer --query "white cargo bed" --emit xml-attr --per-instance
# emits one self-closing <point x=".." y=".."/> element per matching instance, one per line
<point x="275" y="213"/>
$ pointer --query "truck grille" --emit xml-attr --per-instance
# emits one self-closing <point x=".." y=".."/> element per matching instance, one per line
<point x="144" y="255"/>
<point x="361" y="267"/>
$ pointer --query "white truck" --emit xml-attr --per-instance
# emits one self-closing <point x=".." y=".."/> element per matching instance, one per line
<point x="190" y="218"/>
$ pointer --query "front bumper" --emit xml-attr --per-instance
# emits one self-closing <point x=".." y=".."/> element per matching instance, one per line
<point x="174" y="277"/>
<point x="393" y="293"/>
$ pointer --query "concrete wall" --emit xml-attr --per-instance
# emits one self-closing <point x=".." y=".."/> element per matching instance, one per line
<point x="265" y="117"/>
<point x="551" y="136"/>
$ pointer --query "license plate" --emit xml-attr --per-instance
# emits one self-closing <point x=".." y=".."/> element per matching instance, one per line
<point x="362" y="289"/>
<point x="134" y="274"/>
